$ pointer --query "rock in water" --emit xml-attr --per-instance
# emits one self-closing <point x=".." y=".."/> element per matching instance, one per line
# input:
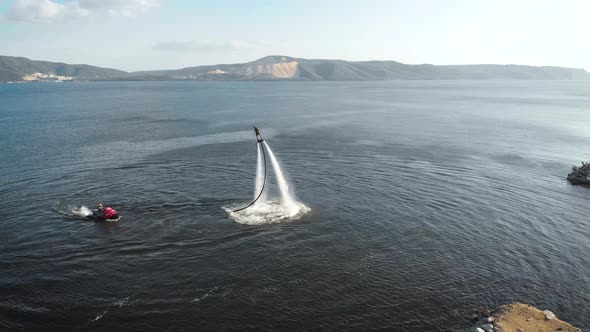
<point x="548" y="315"/>
<point x="488" y="327"/>
<point x="580" y="175"/>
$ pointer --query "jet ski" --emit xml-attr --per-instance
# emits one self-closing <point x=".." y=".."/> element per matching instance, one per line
<point x="96" y="217"/>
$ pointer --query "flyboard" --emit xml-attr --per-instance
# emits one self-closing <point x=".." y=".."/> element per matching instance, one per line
<point x="260" y="140"/>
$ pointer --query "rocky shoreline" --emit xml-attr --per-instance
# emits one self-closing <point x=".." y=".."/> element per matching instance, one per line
<point x="580" y="175"/>
<point x="519" y="317"/>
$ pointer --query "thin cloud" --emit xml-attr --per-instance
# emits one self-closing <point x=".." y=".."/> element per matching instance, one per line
<point x="48" y="11"/>
<point x="126" y="8"/>
<point x="204" y="46"/>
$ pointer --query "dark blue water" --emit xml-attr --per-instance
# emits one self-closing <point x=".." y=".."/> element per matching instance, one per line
<point x="428" y="200"/>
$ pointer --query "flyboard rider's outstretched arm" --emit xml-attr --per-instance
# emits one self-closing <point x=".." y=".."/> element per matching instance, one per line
<point x="257" y="132"/>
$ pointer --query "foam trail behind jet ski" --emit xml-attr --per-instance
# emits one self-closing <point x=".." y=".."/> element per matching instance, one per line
<point x="72" y="210"/>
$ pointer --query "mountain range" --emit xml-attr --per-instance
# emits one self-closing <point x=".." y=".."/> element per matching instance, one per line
<point x="17" y="69"/>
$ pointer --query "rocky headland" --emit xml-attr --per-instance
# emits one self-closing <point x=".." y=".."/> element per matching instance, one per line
<point x="519" y="317"/>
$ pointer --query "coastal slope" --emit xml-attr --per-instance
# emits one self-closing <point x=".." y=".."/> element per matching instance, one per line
<point x="278" y="67"/>
<point x="287" y="68"/>
<point x="22" y="69"/>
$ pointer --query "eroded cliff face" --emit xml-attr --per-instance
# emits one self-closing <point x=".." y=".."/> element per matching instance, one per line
<point x="283" y="68"/>
<point x="270" y="67"/>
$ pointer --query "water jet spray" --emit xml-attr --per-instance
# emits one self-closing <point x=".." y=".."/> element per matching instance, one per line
<point x="262" y="210"/>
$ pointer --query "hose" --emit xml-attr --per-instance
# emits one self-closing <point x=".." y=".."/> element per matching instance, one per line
<point x="263" y="181"/>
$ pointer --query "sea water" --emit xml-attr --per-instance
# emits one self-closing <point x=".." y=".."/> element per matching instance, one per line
<point x="428" y="199"/>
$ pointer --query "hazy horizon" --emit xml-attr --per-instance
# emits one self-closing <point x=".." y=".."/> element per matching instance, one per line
<point x="136" y="35"/>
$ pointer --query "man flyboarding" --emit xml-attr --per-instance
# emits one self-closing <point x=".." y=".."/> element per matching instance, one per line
<point x="257" y="132"/>
<point x="260" y="140"/>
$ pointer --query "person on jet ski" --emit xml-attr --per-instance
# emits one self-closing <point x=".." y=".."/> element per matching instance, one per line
<point x="257" y="132"/>
<point x="105" y="212"/>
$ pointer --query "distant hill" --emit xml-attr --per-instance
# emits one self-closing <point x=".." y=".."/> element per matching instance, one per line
<point x="283" y="67"/>
<point x="15" y="68"/>
<point x="288" y="68"/>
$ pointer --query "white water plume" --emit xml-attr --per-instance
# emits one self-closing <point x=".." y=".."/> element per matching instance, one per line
<point x="269" y="212"/>
<point x="266" y="211"/>
<point x="83" y="211"/>
<point x="260" y="170"/>
<point x="283" y="184"/>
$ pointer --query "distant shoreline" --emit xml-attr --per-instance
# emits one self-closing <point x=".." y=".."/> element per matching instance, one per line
<point x="280" y="81"/>
<point x="284" y="68"/>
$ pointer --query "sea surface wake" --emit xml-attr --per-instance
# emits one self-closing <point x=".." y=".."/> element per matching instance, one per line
<point x="72" y="210"/>
<point x="265" y="210"/>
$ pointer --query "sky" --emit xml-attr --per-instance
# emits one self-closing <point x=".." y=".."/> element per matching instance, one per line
<point x="168" y="34"/>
